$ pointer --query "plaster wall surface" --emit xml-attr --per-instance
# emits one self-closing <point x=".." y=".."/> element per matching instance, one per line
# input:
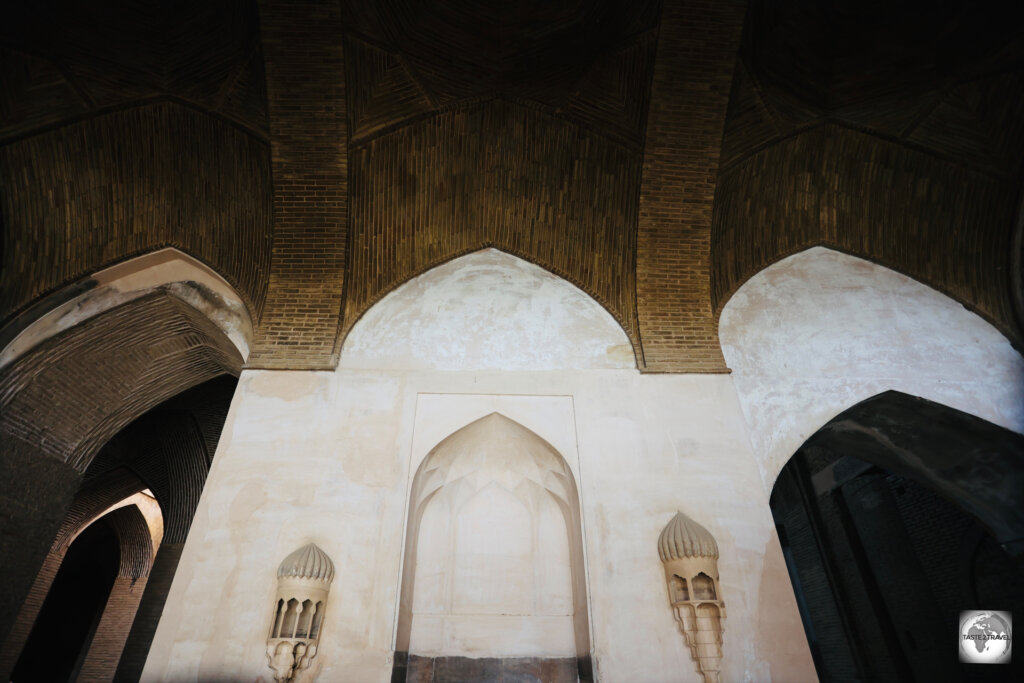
<point x="819" y="331"/>
<point x="329" y="457"/>
<point x="487" y="310"/>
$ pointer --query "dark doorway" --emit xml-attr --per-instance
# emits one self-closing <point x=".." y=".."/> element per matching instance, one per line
<point x="67" y="621"/>
<point x="882" y="563"/>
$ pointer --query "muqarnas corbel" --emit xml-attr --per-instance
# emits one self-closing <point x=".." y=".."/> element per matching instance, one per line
<point x="303" y="582"/>
<point x="689" y="554"/>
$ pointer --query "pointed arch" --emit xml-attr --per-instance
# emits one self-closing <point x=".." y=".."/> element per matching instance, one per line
<point x="142" y="333"/>
<point x="516" y="572"/>
<point x="167" y="270"/>
<point x="487" y="310"/>
<point x="137" y="524"/>
<point x="821" y="330"/>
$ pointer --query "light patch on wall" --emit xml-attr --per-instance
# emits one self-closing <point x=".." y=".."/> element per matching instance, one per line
<point x="819" y="331"/>
<point x="487" y="311"/>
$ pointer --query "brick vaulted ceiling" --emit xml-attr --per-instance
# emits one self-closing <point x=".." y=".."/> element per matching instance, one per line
<point x="656" y="154"/>
<point x="892" y="131"/>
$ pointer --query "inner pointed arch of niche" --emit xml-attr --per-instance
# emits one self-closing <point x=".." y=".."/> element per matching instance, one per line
<point x="494" y="553"/>
<point x="487" y="310"/>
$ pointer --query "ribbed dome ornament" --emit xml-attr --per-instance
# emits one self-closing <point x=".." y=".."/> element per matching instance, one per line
<point x="683" y="537"/>
<point x="308" y="562"/>
<point x="303" y="582"/>
<point x="689" y="554"/>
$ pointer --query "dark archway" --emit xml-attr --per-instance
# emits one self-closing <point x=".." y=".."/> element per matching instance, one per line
<point x="67" y="622"/>
<point x="67" y="397"/>
<point x="894" y="517"/>
<point x="168" y="450"/>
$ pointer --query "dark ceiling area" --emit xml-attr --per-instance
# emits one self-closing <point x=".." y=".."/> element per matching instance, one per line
<point x="891" y="131"/>
<point x="534" y="50"/>
<point x="63" y="60"/>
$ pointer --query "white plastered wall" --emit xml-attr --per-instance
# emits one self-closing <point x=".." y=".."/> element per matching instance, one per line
<point x="329" y="457"/>
<point x="820" y="331"/>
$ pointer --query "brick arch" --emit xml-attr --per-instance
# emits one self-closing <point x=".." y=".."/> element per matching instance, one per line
<point x="106" y="372"/>
<point x="171" y="449"/>
<point x="166" y="450"/>
<point x="91" y="501"/>
<point x="168" y="271"/>
<point x="544" y="189"/>
<point x="66" y="397"/>
<point x="136" y="560"/>
<point x="160" y="174"/>
<point x="134" y="536"/>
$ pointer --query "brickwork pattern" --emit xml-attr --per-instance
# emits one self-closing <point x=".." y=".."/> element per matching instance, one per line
<point x="693" y="71"/>
<point x="112" y="631"/>
<point x="37" y="492"/>
<point x="91" y="194"/>
<point x="105" y="372"/>
<point x="61" y="66"/>
<point x="940" y="221"/>
<point x="896" y="156"/>
<point x="91" y="500"/>
<point x="114" y="625"/>
<point x="306" y="103"/>
<point x="590" y="67"/>
<point x="16" y="638"/>
<point x="166" y="450"/>
<point x="494" y="174"/>
<point x="143" y="628"/>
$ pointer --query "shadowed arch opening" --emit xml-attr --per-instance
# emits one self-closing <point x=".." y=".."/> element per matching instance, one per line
<point x="894" y="517"/>
<point x="493" y="578"/>
<point x="75" y="375"/>
<point x="166" y="453"/>
<point x="487" y="310"/>
<point x="92" y="582"/>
